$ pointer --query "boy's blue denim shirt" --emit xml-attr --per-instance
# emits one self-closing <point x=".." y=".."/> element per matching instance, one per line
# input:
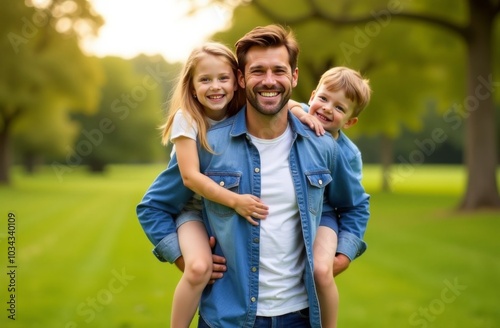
<point x="319" y="171"/>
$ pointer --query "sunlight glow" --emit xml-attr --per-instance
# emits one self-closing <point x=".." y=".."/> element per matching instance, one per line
<point x="153" y="27"/>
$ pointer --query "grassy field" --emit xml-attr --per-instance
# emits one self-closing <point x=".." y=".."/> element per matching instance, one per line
<point x="83" y="261"/>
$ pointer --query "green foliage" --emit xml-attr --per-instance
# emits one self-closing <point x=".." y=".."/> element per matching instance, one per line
<point x="409" y="63"/>
<point x="79" y="234"/>
<point x="126" y="126"/>
<point x="44" y="75"/>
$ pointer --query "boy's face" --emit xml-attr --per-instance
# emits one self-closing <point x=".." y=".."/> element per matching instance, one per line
<point x="333" y="109"/>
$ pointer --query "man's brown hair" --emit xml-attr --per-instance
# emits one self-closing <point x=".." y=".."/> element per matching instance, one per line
<point x="267" y="36"/>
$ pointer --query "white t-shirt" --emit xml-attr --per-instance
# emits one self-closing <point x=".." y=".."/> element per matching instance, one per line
<point x="184" y="126"/>
<point x="282" y="255"/>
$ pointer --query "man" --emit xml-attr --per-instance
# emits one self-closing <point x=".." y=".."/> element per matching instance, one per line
<point x="265" y="151"/>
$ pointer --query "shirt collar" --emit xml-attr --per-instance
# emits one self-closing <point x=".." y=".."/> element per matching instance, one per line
<point x="240" y="126"/>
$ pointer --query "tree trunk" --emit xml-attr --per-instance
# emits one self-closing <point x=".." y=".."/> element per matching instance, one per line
<point x="31" y="161"/>
<point x="479" y="113"/>
<point x="96" y="166"/>
<point x="4" y="156"/>
<point x="386" y="154"/>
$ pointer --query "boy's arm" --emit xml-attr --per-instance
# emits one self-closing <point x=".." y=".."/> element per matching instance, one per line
<point x="247" y="206"/>
<point x="301" y="111"/>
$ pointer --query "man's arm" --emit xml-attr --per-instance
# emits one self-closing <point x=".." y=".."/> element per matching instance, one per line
<point x="162" y="202"/>
<point x="347" y="196"/>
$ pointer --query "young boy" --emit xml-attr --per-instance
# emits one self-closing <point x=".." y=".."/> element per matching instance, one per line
<point x="339" y="98"/>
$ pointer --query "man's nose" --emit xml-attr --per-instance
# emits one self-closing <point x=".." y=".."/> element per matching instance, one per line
<point x="269" y="78"/>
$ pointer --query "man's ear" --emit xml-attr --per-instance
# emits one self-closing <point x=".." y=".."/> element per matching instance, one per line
<point x="295" y="77"/>
<point x="350" y="122"/>
<point x="241" y="79"/>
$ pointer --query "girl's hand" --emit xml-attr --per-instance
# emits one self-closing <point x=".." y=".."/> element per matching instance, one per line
<point x="250" y="207"/>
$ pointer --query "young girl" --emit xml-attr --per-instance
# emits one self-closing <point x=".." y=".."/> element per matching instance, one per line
<point x="206" y="93"/>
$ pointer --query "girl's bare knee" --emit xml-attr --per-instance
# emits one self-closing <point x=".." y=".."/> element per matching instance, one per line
<point x="198" y="272"/>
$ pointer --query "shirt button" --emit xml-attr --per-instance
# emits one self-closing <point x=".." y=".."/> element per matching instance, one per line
<point x="254" y="269"/>
<point x="256" y="240"/>
<point x="253" y="299"/>
<point x="320" y="181"/>
<point x="221" y="183"/>
<point x="256" y="170"/>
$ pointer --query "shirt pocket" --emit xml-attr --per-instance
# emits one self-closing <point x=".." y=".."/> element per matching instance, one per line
<point x="229" y="181"/>
<point x="316" y="183"/>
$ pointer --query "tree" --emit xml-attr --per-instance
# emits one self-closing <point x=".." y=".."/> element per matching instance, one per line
<point x="125" y="127"/>
<point x="472" y="21"/>
<point x="43" y="73"/>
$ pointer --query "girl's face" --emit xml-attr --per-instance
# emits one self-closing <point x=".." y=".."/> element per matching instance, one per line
<point x="333" y="109"/>
<point x="214" y="85"/>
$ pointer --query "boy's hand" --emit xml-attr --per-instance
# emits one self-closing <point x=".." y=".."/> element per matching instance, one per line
<point x="313" y="123"/>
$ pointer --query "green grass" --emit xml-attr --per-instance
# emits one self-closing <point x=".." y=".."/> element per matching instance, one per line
<point x="83" y="260"/>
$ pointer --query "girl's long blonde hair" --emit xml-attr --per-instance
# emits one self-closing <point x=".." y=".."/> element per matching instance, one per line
<point x="182" y="97"/>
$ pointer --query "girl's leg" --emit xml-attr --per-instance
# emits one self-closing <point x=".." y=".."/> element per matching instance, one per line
<point x="193" y="241"/>
<point x="325" y="246"/>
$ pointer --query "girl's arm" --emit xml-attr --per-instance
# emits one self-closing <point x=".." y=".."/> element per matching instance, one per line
<point x="248" y="206"/>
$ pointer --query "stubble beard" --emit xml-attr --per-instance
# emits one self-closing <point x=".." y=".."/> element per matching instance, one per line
<point x="267" y="110"/>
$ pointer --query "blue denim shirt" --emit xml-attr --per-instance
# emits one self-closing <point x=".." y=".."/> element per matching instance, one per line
<point x="318" y="170"/>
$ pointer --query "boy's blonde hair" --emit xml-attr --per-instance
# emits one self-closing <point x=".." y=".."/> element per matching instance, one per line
<point x="182" y="97"/>
<point x="356" y="88"/>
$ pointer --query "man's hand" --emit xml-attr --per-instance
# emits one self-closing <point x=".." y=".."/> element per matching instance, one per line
<point x="219" y="264"/>
<point x="340" y="264"/>
<point x="218" y="268"/>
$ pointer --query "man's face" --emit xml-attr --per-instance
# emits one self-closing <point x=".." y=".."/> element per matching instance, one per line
<point x="268" y="79"/>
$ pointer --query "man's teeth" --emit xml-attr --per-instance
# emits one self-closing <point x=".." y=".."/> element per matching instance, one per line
<point x="269" y="94"/>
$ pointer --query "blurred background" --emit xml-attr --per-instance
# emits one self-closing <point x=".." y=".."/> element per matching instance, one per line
<point x="84" y="86"/>
<point x="87" y="82"/>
